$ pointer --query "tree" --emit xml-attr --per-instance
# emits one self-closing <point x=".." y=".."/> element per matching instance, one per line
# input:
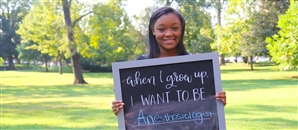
<point x="229" y="36"/>
<point x="1" y="61"/>
<point x="262" y="24"/>
<point x="27" y="55"/>
<point x="142" y="21"/>
<point x="283" y="46"/>
<point x="198" y="31"/>
<point x="218" y="6"/>
<point x="75" y="56"/>
<point x="43" y="25"/>
<point x="257" y="20"/>
<point x="114" y="39"/>
<point x="11" y="14"/>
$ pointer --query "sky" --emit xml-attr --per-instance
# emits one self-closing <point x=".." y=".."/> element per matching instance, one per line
<point x="134" y="7"/>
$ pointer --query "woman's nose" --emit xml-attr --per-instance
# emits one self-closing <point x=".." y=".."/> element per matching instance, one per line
<point x="169" y="33"/>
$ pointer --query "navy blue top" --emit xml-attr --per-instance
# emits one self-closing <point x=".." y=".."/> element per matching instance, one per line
<point x="143" y="57"/>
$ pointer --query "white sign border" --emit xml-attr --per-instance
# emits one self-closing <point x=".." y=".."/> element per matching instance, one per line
<point x="169" y="60"/>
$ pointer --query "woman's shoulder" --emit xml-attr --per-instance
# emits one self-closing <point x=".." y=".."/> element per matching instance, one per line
<point x="141" y="57"/>
<point x="188" y="53"/>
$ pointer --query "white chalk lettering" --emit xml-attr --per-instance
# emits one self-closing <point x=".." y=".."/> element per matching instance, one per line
<point x="175" y="78"/>
<point x="160" y="78"/>
<point x="131" y="100"/>
<point x="198" y="94"/>
<point x="184" y="95"/>
<point x="155" y="100"/>
<point x="138" y="80"/>
<point x="201" y="74"/>
<point x="153" y="119"/>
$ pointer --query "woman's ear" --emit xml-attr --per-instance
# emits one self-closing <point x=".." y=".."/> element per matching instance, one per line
<point x="153" y="32"/>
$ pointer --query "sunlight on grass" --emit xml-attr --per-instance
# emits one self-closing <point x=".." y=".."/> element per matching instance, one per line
<point x="260" y="99"/>
<point x="39" y="100"/>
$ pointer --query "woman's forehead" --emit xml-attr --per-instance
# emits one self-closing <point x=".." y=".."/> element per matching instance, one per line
<point x="169" y="18"/>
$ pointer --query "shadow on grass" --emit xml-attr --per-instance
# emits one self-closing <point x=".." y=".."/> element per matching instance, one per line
<point x="242" y="85"/>
<point x="98" y="75"/>
<point x="86" y="74"/>
<point x="57" y="91"/>
<point x="254" y="114"/>
<point x="236" y="70"/>
<point x="54" y="117"/>
<point x="12" y="76"/>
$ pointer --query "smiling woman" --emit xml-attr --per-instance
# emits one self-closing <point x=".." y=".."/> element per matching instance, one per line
<point x="166" y="32"/>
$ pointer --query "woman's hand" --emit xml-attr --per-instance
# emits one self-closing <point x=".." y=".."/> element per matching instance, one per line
<point x="116" y="106"/>
<point x="221" y="96"/>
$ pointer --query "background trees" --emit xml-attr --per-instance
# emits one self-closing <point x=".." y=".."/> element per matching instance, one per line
<point x="42" y="30"/>
<point x="103" y="32"/>
<point x="111" y="35"/>
<point x="283" y="46"/>
<point x="199" y="33"/>
<point x="250" y="23"/>
<point x="11" y="14"/>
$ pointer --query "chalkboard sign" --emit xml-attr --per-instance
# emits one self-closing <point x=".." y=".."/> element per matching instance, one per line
<point x="175" y="93"/>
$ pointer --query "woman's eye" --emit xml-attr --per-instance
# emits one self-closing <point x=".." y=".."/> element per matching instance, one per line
<point x="161" y="29"/>
<point x="175" y="28"/>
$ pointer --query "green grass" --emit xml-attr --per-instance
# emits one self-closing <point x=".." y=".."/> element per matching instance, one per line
<point x="260" y="99"/>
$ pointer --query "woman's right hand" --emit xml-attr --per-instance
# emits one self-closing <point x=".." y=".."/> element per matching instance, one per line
<point x="116" y="106"/>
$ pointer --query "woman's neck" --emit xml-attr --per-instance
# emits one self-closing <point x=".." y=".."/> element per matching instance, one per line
<point x="168" y="53"/>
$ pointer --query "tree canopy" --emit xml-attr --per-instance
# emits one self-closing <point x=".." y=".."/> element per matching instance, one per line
<point x="283" y="46"/>
<point x="11" y="14"/>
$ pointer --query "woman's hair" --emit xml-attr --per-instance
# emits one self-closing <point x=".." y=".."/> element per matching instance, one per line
<point x="153" y="45"/>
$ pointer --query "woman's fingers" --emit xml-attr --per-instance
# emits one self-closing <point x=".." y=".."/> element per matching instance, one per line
<point x="222" y="97"/>
<point x="116" y="106"/>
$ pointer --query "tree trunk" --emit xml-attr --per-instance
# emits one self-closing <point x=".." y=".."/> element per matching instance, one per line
<point x="218" y="12"/>
<point x="46" y="63"/>
<point x="60" y="64"/>
<point x="75" y="58"/>
<point x="251" y="64"/>
<point x="222" y="59"/>
<point x="10" y="63"/>
<point x="79" y="79"/>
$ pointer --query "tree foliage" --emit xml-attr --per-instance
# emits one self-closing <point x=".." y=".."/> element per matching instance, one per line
<point x="44" y="26"/>
<point x="250" y="22"/>
<point x="11" y="14"/>
<point x="1" y="61"/>
<point x="112" y="36"/>
<point x="283" y="46"/>
<point x="198" y="31"/>
<point x="26" y="54"/>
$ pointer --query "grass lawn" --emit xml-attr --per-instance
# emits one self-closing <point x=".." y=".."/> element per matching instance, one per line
<point x="260" y="99"/>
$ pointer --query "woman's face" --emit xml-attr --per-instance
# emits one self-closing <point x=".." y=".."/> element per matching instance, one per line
<point x="167" y="31"/>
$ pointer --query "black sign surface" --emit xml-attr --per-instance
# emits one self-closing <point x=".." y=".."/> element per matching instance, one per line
<point x="169" y="96"/>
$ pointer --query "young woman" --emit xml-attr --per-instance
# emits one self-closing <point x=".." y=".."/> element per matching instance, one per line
<point x="166" y="32"/>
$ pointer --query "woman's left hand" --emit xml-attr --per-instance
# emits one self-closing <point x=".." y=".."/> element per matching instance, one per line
<point x="221" y="96"/>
